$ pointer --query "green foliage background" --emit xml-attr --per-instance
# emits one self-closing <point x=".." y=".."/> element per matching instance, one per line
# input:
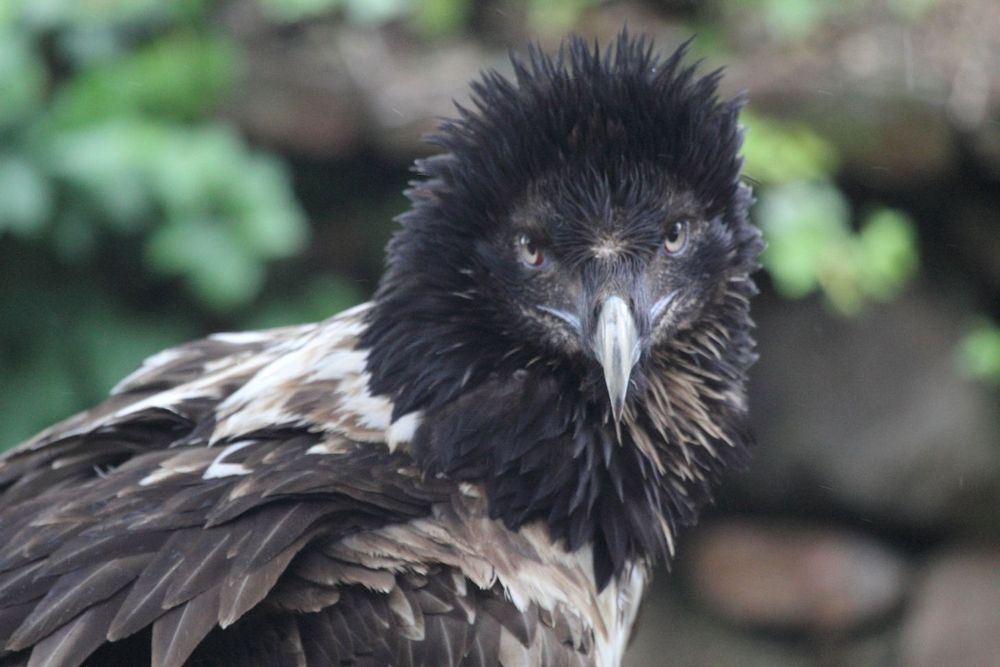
<point x="129" y="217"/>
<point x="132" y="217"/>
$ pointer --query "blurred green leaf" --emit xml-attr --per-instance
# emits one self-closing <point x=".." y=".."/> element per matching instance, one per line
<point x="433" y="17"/>
<point x="182" y="75"/>
<point x="25" y="196"/>
<point x="22" y="77"/>
<point x="978" y="353"/>
<point x="114" y="156"/>
<point x="556" y="15"/>
<point x="888" y="243"/>
<point x="191" y="168"/>
<point x="266" y="217"/>
<point x="779" y="152"/>
<point x="442" y="17"/>
<point x="793" y="19"/>
<point x="356" y="11"/>
<point x="90" y="45"/>
<point x="788" y="20"/>
<point x="804" y="223"/>
<point x="130" y="169"/>
<point x="376" y="11"/>
<point x="215" y="265"/>
<point x="102" y="163"/>
<point x="811" y="246"/>
<point x="55" y="14"/>
<point x="807" y="222"/>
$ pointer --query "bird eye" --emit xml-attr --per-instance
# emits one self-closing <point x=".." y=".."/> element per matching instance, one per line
<point x="529" y="252"/>
<point x="677" y="238"/>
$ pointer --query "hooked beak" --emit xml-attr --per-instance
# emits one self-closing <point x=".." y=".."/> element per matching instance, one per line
<point x="616" y="346"/>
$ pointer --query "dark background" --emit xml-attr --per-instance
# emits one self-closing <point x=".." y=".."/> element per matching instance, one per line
<point x="172" y="169"/>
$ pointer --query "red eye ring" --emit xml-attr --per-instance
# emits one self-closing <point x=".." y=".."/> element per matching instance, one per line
<point x="529" y="252"/>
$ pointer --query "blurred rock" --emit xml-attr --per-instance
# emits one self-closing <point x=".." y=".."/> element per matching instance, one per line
<point x="890" y="143"/>
<point x="793" y="578"/>
<point x="889" y="90"/>
<point x="869" y="414"/>
<point x="889" y="87"/>
<point x="975" y="229"/>
<point x="295" y="93"/>
<point x="670" y="633"/>
<point x="331" y="90"/>
<point x="406" y="91"/>
<point x="954" y="617"/>
<point x="874" y="650"/>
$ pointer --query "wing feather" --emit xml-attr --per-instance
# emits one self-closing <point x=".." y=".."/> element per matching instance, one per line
<point x="275" y="528"/>
<point x="74" y="592"/>
<point x="205" y="564"/>
<point x="241" y="592"/>
<point x="299" y="595"/>
<point x="121" y="543"/>
<point x="73" y="554"/>
<point x="25" y="584"/>
<point x="72" y="644"/>
<point x="144" y="603"/>
<point x="177" y="633"/>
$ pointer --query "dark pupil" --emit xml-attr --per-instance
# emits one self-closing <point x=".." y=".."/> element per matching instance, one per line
<point x="675" y="232"/>
<point x="530" y="247"/>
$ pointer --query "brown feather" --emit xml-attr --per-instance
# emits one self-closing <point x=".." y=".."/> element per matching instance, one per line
<point x="273" y="529"/>
<point x="25" y="584"/>
<point x="241" y="592"/>
<point x="73" y="593"/>
<point x="177" y="633"/>
<point x="205" y="563"/>
<point x="72" y="644"/>
<point x="144" y="603"/>
<point x="296" y="594"/>
<point x="77" y="553"/>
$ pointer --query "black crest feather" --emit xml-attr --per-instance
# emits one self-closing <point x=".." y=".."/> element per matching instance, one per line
<point x="624" y="107"/>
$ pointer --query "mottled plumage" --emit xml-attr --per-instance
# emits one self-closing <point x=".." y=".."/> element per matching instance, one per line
<point x="478" y="467"/>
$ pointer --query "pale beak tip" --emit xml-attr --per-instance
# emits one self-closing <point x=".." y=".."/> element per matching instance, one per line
<point x="617" y="408"/>
<point x="616" y="348"/>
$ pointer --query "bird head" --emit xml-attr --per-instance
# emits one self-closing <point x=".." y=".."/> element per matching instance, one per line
<point x="576" y="260"/>
<point x="599" y="264"/>
<point x="581" y="215"/>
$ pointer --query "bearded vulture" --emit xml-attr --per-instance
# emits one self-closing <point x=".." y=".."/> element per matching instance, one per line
<point x="479" y="466"/>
